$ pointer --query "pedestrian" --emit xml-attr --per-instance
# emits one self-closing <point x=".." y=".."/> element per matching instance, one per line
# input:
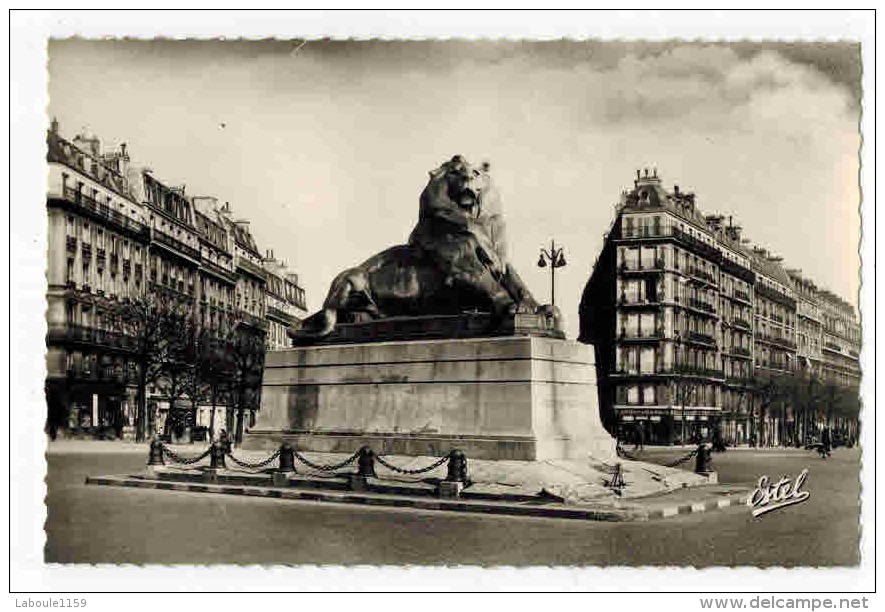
<point x="826" y="442"/>
<point x="640" y="437"/>
<point x="224" y="441"/>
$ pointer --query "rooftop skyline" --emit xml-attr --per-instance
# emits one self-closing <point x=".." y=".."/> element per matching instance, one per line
<point x="325" y="146"/>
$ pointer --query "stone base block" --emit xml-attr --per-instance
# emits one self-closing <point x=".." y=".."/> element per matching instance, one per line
<point x="517" y="397"/>
<point x="712" y="477"/>
<point x="281" y="479"/>
<point x="449" y="489"/>
<point x="358" y="483"/>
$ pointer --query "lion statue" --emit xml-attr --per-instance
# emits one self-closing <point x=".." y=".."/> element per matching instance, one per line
<point x="455" y="261"/>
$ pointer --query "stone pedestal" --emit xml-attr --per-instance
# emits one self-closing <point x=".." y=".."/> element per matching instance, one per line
<point x="514" y="397"/>
<point x="450" y="490"/>
<point x="281" y="479"/>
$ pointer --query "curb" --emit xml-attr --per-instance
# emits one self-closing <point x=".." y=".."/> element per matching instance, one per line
<point x="534" y="509"/>
<point x="696" y="507"/>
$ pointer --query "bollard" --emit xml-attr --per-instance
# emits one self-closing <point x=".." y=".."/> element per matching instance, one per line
<point x="281" y="476"/>
<point x="216" y="457"/>
<point x="456" y="479"/>
<point x="287" y="458"/>
<point x="365" y="469"/>
<point x="155" y="456"/>
<point x="704" y="463"/>
<point x="457" y="467"/>
<point x="366" y="463"/>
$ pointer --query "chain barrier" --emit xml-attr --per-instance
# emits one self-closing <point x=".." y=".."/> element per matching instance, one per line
<point x="184" y="460"/>
<point x="682" y="460"/>
<point x="256" y="465"/>
<point x="325" y="468"/>
<point x="412" y="472"/>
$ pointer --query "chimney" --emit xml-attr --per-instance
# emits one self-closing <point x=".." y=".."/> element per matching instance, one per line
<point x="676" y="189"/>
<point x="53" y="126"/>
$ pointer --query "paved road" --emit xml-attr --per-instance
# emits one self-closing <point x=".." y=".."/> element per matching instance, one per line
<point x="111" y="525"/>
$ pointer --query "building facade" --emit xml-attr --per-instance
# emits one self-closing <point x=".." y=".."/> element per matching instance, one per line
<point x="118" y="233"/>
<point x="686" y="319"/>
<point x="284" y="302"/>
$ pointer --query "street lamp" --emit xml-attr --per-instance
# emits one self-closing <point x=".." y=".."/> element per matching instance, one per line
<point x="557" y="260"/>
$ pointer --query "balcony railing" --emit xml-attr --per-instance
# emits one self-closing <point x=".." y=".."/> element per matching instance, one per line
<point x="214" y="268"/>
<point x="251" y="268"/>
<point x="87" y="250"/>
<point x="739" y="350"/>
<point x="87" y="203"/>
<point x="101" y="337"/>
<point x="776" y="296"/>
<point x="71" y="244"/>
<point x="694" y="336"/>
<point x="776" y="340"/>
<point x="741" y="323"/>
<point x="624" y="301"/>
<point x="701" y="305"/>
<point x="833" y="347"/>
<point x="741" y="295"/>
<point x="638" y="334"/>
<point x="735" y="269"/>
<point x="642" y="266"/>
<point x="701" y="274"/>
<point x="690" y="370"/>
<point x="176" y="244"/>
<point x="280" y="315"/>
<point x="251" y="319"/>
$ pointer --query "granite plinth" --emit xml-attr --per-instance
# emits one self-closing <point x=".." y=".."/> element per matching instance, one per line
<point x="518" y="397"/>
<point x="464" y="325"/>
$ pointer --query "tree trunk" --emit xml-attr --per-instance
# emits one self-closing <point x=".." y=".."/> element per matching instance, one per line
<point x="212" y="417"/>
<point x="141" y="409"/>
<point x="241" y="400"/>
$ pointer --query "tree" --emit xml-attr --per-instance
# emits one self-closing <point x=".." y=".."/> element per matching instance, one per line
<point x="685" y="384"/>
<point x="178" y="368"/>
<point x="766" y="390"/>
<point x="244" y="348"/>
<point x="148" y="324"/>
<point x="199" y="344"/>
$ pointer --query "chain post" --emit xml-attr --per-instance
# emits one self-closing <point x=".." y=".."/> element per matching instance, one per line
<point x="216" y="457"/>
<point x="457" y="467"/>
<point x="704" y="463"/>
<point x="456" y="479"/>
<point x="280" y="476"/>
<point x="287" y="458"/>
<point x="155" y="455"/>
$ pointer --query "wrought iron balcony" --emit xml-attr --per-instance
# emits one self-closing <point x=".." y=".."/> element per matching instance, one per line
<point x="784" y="342"/>
<point x="71" y="244"/>
<point x="701" y="305"/>
<point x="741" y="323"/>
<point x="701" y="338"/>
<point x="176" y="244"/>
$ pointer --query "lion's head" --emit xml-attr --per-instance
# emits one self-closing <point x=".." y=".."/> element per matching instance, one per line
<point x="467" y="186"/>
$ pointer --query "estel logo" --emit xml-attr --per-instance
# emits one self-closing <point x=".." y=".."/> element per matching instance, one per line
<point x="768" y="496"/>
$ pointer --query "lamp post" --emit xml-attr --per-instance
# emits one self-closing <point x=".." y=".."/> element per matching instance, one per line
<point x="557" y="260"/>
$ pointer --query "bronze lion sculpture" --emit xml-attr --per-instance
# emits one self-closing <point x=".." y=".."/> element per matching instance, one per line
<point x="455" y="261"/>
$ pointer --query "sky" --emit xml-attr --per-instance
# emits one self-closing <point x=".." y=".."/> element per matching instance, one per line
<point x="326" y="145"/>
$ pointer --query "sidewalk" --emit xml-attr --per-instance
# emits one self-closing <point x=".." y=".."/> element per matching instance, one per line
<point x="63" y="447"/>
